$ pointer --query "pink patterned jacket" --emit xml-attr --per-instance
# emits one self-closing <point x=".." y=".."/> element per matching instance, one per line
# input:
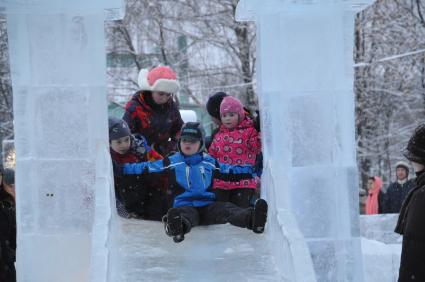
<point x="237" y="146"/>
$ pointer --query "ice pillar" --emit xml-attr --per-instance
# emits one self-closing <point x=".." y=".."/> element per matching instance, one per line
<point x="305" y="88"/>
<point x="58" y="67"/>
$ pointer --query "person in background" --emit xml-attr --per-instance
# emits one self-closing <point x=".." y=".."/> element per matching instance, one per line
<point x="398" y="190"/>
<point x="213" y="106"/>
<point x="152" y="112"/>
<point x="7" y="226"/>
<point x="142" y="197"/>
<point x="213" y="109"/>
<point x="411" y="221"/>
<point x="374" y="185"/>
<point x="236" y="143"/>
<point x="191" y="172"/>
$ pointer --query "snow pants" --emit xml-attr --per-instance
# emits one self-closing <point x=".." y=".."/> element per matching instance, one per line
<point x="215" y="213"/>
<point x="241" y="196"/>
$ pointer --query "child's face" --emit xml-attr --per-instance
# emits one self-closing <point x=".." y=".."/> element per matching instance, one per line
<point x="401" y="173"/>
<point x="189" y="146"/>
<point x="161" y="97"/>
<point x="230" y="120"/>
<point x="121" y="145"/>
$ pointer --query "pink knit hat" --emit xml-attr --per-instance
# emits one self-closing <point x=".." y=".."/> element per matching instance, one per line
<point x="232" y="105"/>
<point x="161" y="78"/>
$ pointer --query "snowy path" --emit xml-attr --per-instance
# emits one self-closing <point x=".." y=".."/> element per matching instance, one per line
<point x="213" y="253"/>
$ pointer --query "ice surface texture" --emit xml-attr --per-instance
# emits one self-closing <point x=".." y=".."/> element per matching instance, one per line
<point x="212" y="253"/>
<point x="58" y="72"/>
<point x="305" y="88"/>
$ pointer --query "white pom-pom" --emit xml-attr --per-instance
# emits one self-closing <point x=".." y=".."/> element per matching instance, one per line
<point x="142" y="80"/>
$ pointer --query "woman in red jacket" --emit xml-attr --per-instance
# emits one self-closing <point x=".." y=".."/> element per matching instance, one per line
<point x="152" y="112"/>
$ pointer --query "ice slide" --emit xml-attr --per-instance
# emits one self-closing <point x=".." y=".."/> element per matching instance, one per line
<point x="67" y="226"/>
<point x="213" y="253"/>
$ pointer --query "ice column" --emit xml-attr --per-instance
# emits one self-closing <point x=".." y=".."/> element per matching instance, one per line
<point x="305" y="87"/>
<point x="58" y="67"/>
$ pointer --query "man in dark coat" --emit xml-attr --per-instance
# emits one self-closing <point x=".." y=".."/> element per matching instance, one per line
<point x="7" y="227"/>
<point x="411" y="221"/>
<point x="391" y="200"/>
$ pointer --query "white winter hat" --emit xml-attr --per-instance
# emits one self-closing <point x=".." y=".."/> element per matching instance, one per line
<point x="161" y="78"/>
<point x="403" y="165"/>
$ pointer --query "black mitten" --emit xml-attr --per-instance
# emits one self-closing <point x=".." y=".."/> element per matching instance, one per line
<point x="132" y="193"/>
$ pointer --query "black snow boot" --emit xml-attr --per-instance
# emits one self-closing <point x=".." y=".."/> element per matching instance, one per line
<point x="174" y="225"/>
<point x="259" y="216"/>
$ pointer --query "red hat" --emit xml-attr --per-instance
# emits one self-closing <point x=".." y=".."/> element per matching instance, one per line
<point x="161" y="78"/>
<point x="232" y="105"/>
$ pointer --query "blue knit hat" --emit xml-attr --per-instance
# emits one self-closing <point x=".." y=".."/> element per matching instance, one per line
<point x="118" y="128"/>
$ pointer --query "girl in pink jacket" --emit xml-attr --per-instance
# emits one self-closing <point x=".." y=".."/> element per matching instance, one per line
<point x="236" y="143"/>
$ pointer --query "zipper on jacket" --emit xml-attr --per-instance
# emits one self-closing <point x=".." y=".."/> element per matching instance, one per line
<point x="203" y="176"/>
<point x="187" y="176"/>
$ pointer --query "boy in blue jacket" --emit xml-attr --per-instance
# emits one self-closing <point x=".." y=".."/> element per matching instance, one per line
<point x="191" y="173"/>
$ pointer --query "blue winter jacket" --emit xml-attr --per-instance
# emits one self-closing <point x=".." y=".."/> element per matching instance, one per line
<point x="191" y="176"/>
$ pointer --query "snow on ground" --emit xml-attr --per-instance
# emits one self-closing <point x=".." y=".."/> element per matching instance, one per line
<point x="381" y="247"/>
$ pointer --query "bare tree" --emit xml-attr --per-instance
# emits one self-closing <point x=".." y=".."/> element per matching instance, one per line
<point x="212" y="52"/>
<point x="198" y="38"/>
<point x="389" y="82"/>
<point x="6" y="107"/>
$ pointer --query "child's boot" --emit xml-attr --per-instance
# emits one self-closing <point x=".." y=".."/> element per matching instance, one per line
<point x="174" y="225"/>
<point x="259" y="216"/>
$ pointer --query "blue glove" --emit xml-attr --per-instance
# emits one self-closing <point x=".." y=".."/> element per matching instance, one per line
<point x="135" y="168"/>
<point x="141" y="143"/>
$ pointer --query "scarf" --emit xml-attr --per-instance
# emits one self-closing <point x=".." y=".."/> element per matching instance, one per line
<point x="372" y="199"/>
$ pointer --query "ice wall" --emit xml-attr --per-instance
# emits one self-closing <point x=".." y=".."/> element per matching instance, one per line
<point x="58" y="71"/>
<point x="305" y="88"/>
